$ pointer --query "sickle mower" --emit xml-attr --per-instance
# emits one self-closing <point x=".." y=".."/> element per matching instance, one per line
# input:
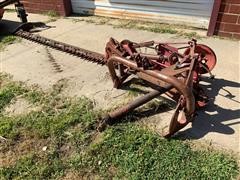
<point x="166" y="70"/>
<point x="174" y="69"/>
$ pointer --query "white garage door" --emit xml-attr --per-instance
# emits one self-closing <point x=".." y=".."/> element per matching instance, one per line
<point x="195" y="12"/>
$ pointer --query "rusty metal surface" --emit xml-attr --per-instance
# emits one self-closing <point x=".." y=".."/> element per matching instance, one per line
<point x="122" y="111"/>
<point x="190" y="11"/>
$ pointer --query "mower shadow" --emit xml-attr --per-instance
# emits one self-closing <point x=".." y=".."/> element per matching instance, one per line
<point x="7" y="27"/>
<point x="213" y="118"/>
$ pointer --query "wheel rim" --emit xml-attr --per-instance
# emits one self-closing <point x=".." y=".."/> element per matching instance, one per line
<point x="209" y="57"/>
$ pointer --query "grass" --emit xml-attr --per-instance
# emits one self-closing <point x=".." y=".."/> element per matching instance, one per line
<point x="136" y="153"/>
<point x="134" y="90"/>
<point x="32" y="167"/>
<point x="142" y="25"/>
<point x="66" y="128"/>
<point x="52" y="15"/>
<point x="7" y="40"/>
<point x="9" y="10"/>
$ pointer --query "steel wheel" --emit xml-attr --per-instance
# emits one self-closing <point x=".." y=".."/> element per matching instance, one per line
<point x="208" y="57"/>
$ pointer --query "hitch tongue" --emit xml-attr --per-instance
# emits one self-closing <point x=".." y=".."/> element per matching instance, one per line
<point x="113" y="116"/>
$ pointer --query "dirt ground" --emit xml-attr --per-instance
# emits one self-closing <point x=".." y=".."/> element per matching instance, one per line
<point x="218" y="124"/>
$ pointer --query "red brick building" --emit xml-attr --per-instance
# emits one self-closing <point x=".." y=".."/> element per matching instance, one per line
<point x="63" y="7"/>
<point x="223" y="18"/>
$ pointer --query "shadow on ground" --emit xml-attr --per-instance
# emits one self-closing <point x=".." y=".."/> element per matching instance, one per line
<point x="7" y="27"/>
<point x="212" y="118"/>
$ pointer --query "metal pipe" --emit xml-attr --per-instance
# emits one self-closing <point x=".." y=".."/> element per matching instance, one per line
<point x="143" y="44"/>
<point x="153" y="56"/>
<point x="138" y="102"/>
<point x="122" y="111"/>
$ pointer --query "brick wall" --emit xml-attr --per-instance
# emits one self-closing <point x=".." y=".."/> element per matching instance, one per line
<point x="62" y="7"/>
<point x="228" y="20"/>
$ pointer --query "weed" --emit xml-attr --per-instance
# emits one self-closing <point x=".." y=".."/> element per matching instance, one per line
<point x="52" y="15"/>
<point x="7" y="40"/>
<point x="77" y="20"/>
<point x="189" y="35"/>
<point x="134" y="90"/>
<point x="141" y="25"/>
<point x="90" y="21"/>
<point x="8" y="92"/>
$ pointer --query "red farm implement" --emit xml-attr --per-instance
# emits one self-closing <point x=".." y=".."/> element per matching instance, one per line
<point x="174" y="69"/>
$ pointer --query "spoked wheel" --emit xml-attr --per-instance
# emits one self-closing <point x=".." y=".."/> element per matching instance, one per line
<point x="208" y="57"/>
<point x="179" y="119"/>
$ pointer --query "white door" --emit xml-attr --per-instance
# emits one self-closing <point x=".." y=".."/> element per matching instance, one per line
<point x="194" y="12"/>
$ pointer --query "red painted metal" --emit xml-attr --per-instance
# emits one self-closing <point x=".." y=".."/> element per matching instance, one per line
<point x="167" y="66"/>
<point x="209" y="59"/>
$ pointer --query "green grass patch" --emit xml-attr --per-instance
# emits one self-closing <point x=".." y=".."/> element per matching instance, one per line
<point x="56" y="114"/>
<point x="131" y="152"/>
<point x="7" y="40"/>
<point x="9" y="10"/>
<point x="66" y="127"/>
<point x="142" y="25"/>
<point x="134" y="90"/>
<point x="52" y="16"/>
<point x="34" y="167"/>
<point x="8" y="91"/>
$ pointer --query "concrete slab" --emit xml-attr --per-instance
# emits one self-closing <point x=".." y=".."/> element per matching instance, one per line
<point x="218" y="123"/>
